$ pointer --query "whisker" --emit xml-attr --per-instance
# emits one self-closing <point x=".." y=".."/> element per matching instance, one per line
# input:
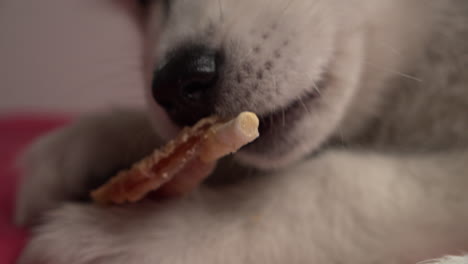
<point x="275" y="82"/>
<point x="402" y="74"/>
<point x="221" y="13"/>
<point x="342" y="138"/>
<point x="262" y="119"/>
<point x="283" y="116"/>
<point x="390" y="48"/>
<point x="301" y="101"/>
<point x="286" y="7"/>
<point x="316" y="88"/>
<point x="283" y="11"/>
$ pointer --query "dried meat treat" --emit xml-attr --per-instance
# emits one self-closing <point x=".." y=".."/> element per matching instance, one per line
<point x="183" y="163"/>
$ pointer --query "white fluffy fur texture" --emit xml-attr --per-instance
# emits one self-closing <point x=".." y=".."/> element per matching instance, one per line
<point x="448" y="260"/>
<point x="390" y="121"/>
<point x="355" y="207"/>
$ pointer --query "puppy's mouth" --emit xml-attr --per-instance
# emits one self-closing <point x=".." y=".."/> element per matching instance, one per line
<point x="284" y="118"/>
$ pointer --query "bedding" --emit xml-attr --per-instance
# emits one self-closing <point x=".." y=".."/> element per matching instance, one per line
<point x="16" y="132"/>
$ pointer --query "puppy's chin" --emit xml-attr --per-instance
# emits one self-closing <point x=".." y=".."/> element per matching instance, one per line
<point x="277" y="151"/>
<point x="267" y="161"/>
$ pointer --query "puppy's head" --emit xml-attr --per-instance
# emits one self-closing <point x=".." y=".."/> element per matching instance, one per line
<point x="288" y="61"/>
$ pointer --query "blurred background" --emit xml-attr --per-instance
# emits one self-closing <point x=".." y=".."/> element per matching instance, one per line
<point x="59" y="58"/>
<point x="69" y="55"/>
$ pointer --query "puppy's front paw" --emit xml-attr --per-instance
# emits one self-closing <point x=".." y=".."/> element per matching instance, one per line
<point x="71" y="235"/>
<point x="66" y="164"/>
<point x="52" y="170"/>
<point x="448" y="260"/>
<point x="140" y="233"/>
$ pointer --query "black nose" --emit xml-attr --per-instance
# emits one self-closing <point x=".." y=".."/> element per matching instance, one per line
<point x="184" y="86"/>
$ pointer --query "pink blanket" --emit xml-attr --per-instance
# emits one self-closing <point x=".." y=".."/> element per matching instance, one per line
<point x="16" y="132"/>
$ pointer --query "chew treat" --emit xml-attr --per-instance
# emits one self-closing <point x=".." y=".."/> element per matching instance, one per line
<point x="183" y="163"/>
<point x="225" y="138"/>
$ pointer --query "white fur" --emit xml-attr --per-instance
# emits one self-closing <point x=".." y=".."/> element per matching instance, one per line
<point x="356" y="207"/>
<point x="448" y="260"/>
<point x="389" y="185"/>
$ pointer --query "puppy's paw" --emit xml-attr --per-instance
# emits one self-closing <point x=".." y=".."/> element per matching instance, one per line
<point x="448" y="260"/>
<point x="71" y="235"/>
<point x="54" y="169"/>
<point x="67" y="163"/>
<point x="142" y="233"/>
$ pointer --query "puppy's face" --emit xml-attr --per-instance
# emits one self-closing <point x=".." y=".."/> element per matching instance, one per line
<point x="285" y="60"/>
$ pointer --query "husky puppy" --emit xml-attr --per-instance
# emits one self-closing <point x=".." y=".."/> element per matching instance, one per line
<point x="363" y="154"/>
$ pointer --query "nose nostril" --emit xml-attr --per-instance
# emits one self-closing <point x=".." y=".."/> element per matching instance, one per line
<point x="184" y="86"/>
<point x="193" y="91"/>
<point x="196" y="88"/>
